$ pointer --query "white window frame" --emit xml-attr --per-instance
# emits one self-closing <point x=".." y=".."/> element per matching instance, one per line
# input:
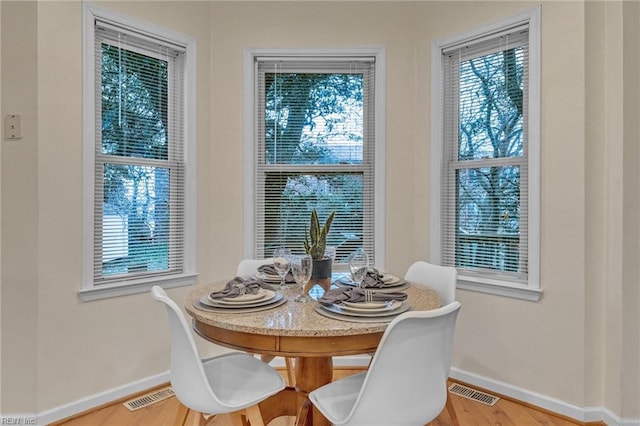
<point x="498" y="285"/>
<point x="250" y="55"/>
<point x="90" y="290"/>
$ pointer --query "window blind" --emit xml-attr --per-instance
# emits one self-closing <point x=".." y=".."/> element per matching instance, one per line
<point x="485" y="159"/>
<point x="314" y="148"/>
<point x="139" y="180"/>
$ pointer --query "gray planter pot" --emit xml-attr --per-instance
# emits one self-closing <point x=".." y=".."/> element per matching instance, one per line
<point x="321" y="268"/>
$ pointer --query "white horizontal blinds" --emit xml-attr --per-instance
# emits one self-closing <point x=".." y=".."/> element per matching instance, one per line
<point x="314" y="149"/>
<point x="485" y="173"/>
<point x="139" y="155"/>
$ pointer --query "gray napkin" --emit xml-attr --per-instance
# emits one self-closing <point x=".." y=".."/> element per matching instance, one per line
<point x="239" y="286"/>
<point x="271" y="270"/>
<point x="355" y="294"/>
<point x="373" y="279"/>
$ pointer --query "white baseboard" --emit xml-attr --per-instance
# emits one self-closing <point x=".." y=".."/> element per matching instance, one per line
<point x="582" y="414"/>
<point x="613" y="420"/>
<point x="84" y="404"/>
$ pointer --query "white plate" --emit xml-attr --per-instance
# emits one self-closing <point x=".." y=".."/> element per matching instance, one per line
<point x="264" y="276"/>
<point x="370" y="307"/>
<point x="365" y="319"/>
<point x="390" y="279"/>
<point x="268" y="278"/>
<point x="221" y="303"/>
<point x="401" y="307"/>
<point x="366" y="305"/>
<point x="204" y="305"/>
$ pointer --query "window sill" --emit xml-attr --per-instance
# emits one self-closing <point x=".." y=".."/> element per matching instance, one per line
<point x="499" y="288"/>
<point x="132" y="287"/>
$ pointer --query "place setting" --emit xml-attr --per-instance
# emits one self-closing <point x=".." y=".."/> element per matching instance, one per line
<point x="279" y="273"/>
<point x="368" y="296"/>
<point x="242" y="295"/>
<point x="370" y="278"/>
<point x="373" y="279"/>
<point x="361" y="305"/>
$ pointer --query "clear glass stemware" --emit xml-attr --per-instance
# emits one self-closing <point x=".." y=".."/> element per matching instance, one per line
<point x="281" y="261"/>
<point x="358" y="265"/>
<point x="302" y="266"/>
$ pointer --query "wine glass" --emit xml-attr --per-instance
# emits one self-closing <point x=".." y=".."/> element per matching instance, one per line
<point x="301" y="267"/>
<point x="358" y="265"/>
<point x="281" y="256"/>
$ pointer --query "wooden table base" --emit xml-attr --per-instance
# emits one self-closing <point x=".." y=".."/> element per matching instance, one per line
<point x="311" y="373"/>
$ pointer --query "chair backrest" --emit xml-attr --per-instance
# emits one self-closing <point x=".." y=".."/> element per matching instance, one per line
<point x="248" y="267"/>
<point x="188" y="378"/>
<point x="440" y="278"/>
<point x="406" y="383"/>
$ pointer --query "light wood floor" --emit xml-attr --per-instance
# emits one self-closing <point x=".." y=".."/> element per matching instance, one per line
<point x="470" y="413"/>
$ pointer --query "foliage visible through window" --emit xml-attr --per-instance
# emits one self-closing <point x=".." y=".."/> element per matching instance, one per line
<point x="488" y="165"/>
<point x="138" y="163"/>
<point x="315" y="155"/>
<point x="490" y="127"/>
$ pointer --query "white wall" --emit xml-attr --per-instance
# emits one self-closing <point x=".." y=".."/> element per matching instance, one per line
<point x="555" y="347"/>
<point x="19" y="322"/>
<point x="1" y="130"/>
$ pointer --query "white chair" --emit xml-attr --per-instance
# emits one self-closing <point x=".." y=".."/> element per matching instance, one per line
<point x="443" y="279"/>
<point x="246" y="268"/>
<point x="440" y="278"/>
<point x="406" y="383"/>
<point x="231" y="384"/>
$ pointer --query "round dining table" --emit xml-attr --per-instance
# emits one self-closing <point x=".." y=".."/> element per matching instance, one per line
<point x="296" y="330"/>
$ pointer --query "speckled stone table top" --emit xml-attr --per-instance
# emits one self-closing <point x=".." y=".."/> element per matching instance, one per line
<point x="296" y="319"/>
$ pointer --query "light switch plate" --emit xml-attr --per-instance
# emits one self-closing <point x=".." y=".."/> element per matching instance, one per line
<point x="12" y="127"/>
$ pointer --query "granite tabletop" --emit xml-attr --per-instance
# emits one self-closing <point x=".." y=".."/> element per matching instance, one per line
<point x="296" y="319"/>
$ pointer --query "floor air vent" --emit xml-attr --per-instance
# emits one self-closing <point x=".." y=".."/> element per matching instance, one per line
<point x="473" y="394"/>
<point x="148" y="399"/>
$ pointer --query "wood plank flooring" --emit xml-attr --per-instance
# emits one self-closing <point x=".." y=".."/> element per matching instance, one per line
<point x="470" y="413"/>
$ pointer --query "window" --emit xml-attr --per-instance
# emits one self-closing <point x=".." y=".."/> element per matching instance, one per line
<point x="487" y="158"/>
<point x="316" y="144"/>
<point x="137" y="141"/>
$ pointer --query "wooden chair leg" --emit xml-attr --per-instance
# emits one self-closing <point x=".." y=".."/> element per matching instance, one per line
<point x="195" y="418"/>
<point x="209" y="418"/>
<point x="236" y="418"/>
<point x="254" y="415"/>
<point x="303" y="413"/>
<point x="181" y="415"/>
<point x="451" y="411"/>
<point x="290" y="372"/>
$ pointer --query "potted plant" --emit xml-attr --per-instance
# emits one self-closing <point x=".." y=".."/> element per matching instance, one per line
<point x="315" y="245"/>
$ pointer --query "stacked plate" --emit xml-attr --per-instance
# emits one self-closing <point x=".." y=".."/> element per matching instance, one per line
<point x="391" y="283"/>
<point x="263" y="299"/>
<point x="269" y="278"/>
<point x="364" y="311"/>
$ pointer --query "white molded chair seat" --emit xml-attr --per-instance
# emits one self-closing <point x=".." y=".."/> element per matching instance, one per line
<point x="228" y="383"/>
<point x="406" y="383"/>
<point x="442" y="279"/>
<point x="248" y="267"/>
